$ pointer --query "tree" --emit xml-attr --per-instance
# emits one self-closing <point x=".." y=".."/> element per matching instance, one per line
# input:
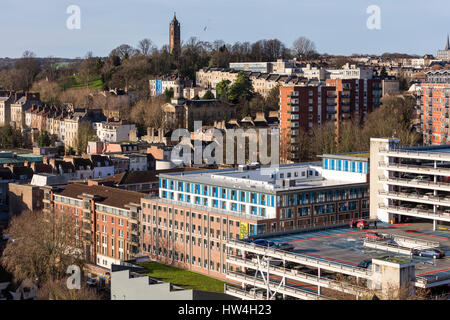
<point x="86" y="133"/>
<point x="149" y="113"/>
<point x="57" y="290"/>
<point x="11" y="138"/>
<point x="49" y="92"/>
<point x="42" y="246"/>
<point x="222" y="89"/>
<point x="241" y="89"/>
<point x="146" y="47"/>
<point x="43" y="140"/>
<point x="88" y="69"/>
<point x="168" y="93"/>
<point x="383" y="73"/>
<point x="124" y="51"/>
<point x="273" y="99"/>
<point x="208" y="95"/>
<point x="303" y="48"/>
<point x="28" y="67"/>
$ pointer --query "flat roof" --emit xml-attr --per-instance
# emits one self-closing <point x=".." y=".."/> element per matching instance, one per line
<point x="261" y="179"/>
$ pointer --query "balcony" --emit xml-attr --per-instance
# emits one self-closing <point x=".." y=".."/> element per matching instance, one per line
<point x="331" y="110"/>
<point x="345" y="109"/>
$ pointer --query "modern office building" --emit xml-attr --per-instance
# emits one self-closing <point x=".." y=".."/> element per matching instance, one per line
<point x="195" y="213"/>
<point x="409" y="182"/>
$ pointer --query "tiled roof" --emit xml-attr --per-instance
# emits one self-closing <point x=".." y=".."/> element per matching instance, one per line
<point x="113" y="197"/>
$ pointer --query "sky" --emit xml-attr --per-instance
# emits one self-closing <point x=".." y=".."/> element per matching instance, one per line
<point x="336" y="26"/>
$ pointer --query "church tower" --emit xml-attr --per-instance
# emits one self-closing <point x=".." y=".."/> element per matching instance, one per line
<point x="174" y="36"/>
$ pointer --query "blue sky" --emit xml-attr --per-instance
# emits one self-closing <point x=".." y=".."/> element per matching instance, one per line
<point x="337" y="27"/>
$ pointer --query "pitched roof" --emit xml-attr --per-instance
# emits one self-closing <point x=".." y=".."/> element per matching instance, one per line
<point x="113" y="197"/>
<point x="133" y="177"/>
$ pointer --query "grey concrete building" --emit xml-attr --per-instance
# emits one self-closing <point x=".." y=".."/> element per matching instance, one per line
<point x="128" y="285"/>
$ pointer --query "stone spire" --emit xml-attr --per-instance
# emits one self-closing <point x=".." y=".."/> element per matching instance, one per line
<point x="447" y="46"/>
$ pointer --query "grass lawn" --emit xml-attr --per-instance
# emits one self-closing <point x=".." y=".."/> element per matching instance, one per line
<point x="182" y="278"/>
<point x="76" y="83"/>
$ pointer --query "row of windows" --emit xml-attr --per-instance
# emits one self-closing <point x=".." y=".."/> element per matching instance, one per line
<point x="195" y="261"/>
<point x="180" y="212"/>
<point x="217" y="192"/>
<point x="322" y="196"/>
<point x="345" y="165"/>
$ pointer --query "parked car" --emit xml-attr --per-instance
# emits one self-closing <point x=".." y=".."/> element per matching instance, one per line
<point x="422" y="207"/>
<point x="91" y="282"/>
<point x="263" y="243"/>
<point x="374" y="236"/>
<point x="361" y="223"/>
<point x="429" y="253"/>
<point x="421" y="178"/>
<point x="366" y="264"/>
<point x="407" y="176"/>
<point x="284" y="246"/>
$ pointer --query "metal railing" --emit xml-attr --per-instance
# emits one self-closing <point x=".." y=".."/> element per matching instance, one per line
<point x="429" y="169"/>
<point x="287" y="289"/>
<point x="428" y="184"/>
<point x="415" y="211"/>
<point x="300" y="276"/>
<point x="412" y="196"/>
<point x="302" y="259"/>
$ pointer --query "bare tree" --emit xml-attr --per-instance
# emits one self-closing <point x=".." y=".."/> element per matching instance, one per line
<point x="42" y="246"/>
<point x="88" y="68"/>
<point x="57" y="290"/>
<point x="303" y="48"/>
<point x="146" y="47"/>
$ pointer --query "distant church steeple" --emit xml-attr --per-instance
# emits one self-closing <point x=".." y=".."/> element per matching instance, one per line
<point x="174" y="36"/>
<point x="447" y="46"/>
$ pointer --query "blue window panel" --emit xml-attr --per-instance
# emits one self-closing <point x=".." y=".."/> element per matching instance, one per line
<point x="360" y="169"/>
<point x="252" y="230"/>
<point x="365" y="167"/>
<point x="339" y="165"/>
<point x="345" y="165"/>
<point x="259" y="198"/>
<point x="160" y="183"/>
<point x="353" y="164"/>
<point x="325" y="163"/>
<point x="332" y="164"/>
